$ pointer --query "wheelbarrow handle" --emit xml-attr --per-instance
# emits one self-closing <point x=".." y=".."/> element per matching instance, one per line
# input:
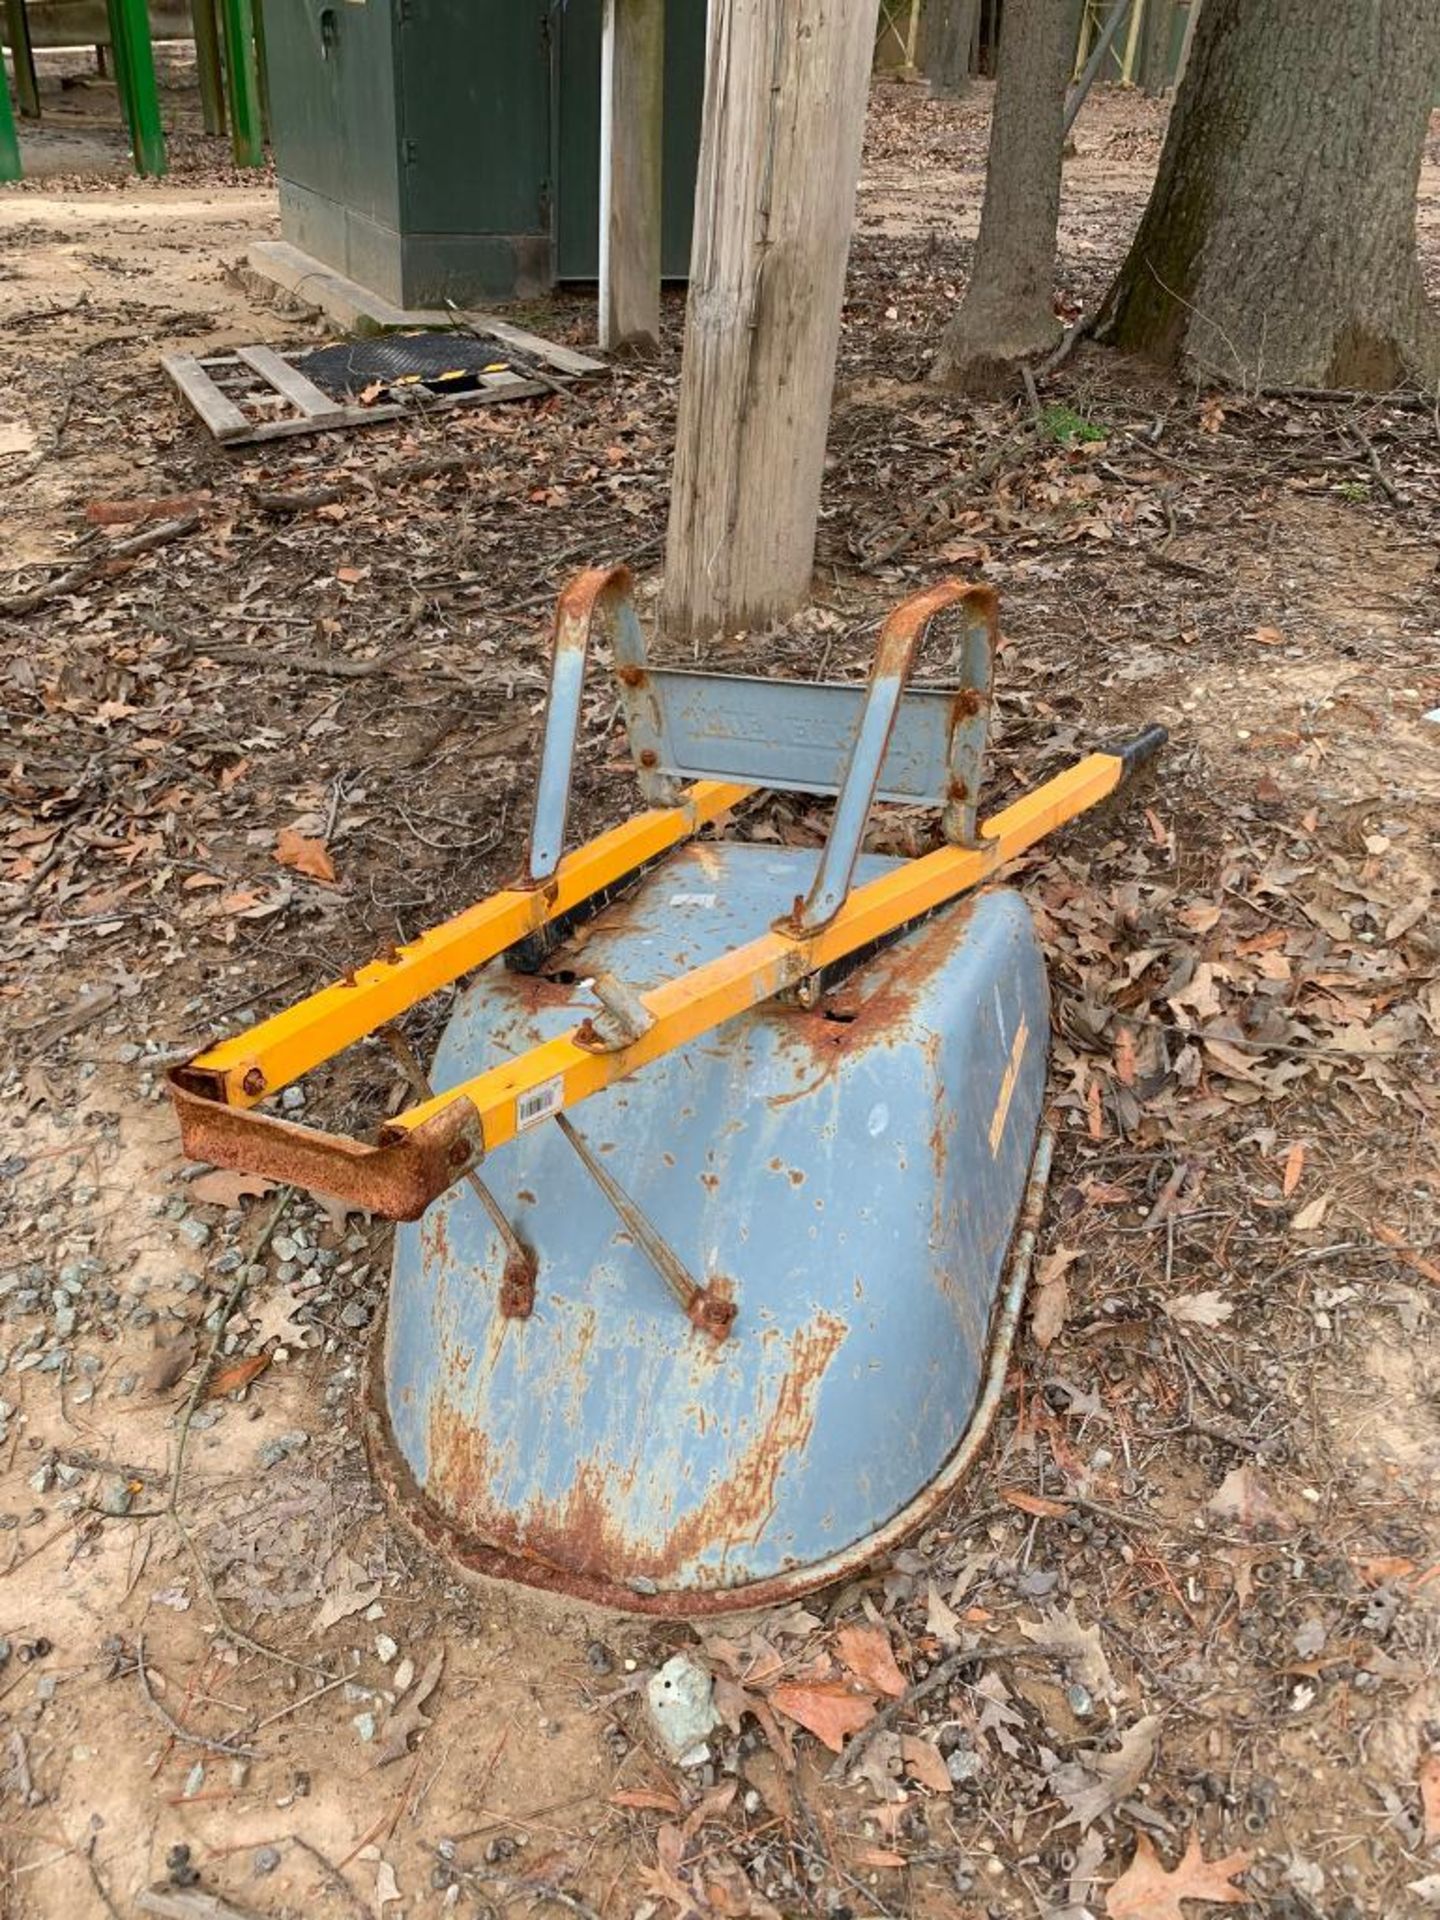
<point x="1140" y="749"/>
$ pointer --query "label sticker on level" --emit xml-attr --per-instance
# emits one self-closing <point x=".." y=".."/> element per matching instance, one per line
<point x="693" y="899"/>
<point x="539" y="1103"/>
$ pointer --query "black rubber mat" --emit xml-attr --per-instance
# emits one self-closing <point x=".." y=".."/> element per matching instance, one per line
<point x="441" y="362"/>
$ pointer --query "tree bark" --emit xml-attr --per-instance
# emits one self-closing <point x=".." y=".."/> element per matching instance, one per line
<point x="632" y="124"/>
<point x="785" y="90"/>
<point x="1156" y="31"/>
<point x="1008" y="313"/>
<point x="947" y="34"/>
<point x="1278" y="246"/>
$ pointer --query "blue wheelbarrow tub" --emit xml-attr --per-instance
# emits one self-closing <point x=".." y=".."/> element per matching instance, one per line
<point x="854" y="1173"/>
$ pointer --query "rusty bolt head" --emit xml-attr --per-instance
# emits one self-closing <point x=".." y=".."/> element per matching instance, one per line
<point x="632" y="676"/>
<point x="968" y="703"/>
<point x="712" y="1313"/>
<point x="959" y="790"/>
<point x="649" y="757"/>
<point x="254" y="1082"/>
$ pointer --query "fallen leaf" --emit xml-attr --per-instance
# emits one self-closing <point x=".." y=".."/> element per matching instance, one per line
<point x="1147" y="1891"/>
<point x="1095" y="1781"/>
<point x="1411" y="1256"/>
<point x="1269" y="636"/>
<point x="924" y="1764"/>
<point x="648" y="1799"/>
<point x="1406" y="917"/>
<point x="1294" y="1167"/>
<point x="1311" y="1215"/>
<point x="223" y="1189"/>
<point x="1052" y="1295"/>
<point x="941" y="1621"/>
<point x="405" y="1717"/>
<point x="1208" y="1309"/>
<point x="1243" y="1497"/>
<point x="877" y="1857"/>
<point x="1125" y="1057"/>
<point x="169" y="1362"/>
<point x="1081" y="1647"/>
<point x="866" y="1652"/>
<point x="351" y="576"/>
<point x="16" y="437"/>
<point x="237" y="1376"/>
<point x="878" y="1768"/>
<point x="275" y="1321"/>
<point x="1035" y="1503"/>
<point x="351" y="1590"/>
<point x="1430" y="1796"/>
<point x="828" y="1708"/>
<point x="387" y="1887"/>
<point x="303" y="855"/>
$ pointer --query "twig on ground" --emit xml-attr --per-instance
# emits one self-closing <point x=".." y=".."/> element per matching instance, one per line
<point x="96" y="1882"/>
<point x="93" y="562"/>
<point x="333" y="1875"/>
<point x="172" y="1725"/>
<point x="521" y="1886"/>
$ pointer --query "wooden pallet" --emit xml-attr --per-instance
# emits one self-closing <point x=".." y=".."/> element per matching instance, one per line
<point x="257" y="393"/>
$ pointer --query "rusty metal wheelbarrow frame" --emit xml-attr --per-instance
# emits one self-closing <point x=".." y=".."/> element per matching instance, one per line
<point x="855" y="742"/>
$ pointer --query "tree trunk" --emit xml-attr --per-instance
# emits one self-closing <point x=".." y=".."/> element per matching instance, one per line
<point x="785" y="89"/>
<point x="632" y="119"/>
<point x="1156" y="32"/>
<point x="1008" y="313"/>
<point x="947" y="36"/>
<point x="1278" y="246"/>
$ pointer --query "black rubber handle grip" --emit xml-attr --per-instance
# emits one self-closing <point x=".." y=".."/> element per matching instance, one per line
<point x="1139" y="751"/>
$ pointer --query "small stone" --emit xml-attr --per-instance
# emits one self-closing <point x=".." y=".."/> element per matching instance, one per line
<point x="115" y="1498"/>
<point x="364" y="1725"/>
<point x="67" y="1475"/>
<point x="126" y="1385"/>
<point x="292" y="1099"/>
<point x="682" y="1709"/>
<point x="385" y="1649"/>
<point x="265" y="1860"/>
<point x="354" y="1314"/>
<point x="962" y="1765"/>
<point x="197" y="1232"/>
<point x="65" y="1319"/>
<point x="404" y="1674"/>
<point x="127" y="1054"/>
<point x="1079" y="1700"/>
<point x="194" y="1780"/>
<point x="284" y="1247"/>
<point x="42" y="1479"/>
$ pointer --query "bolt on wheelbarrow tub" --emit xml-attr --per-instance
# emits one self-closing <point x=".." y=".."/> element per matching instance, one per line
<point x="848" y="1177"/>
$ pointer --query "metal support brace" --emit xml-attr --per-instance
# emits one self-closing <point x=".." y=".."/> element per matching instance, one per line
<point x="22" y="51"/>
<point x="895" y="653"/>
<point x="246" y="139"/>
<point x="600" y="596"/>
<point x="207" y="65"/>
<point x="10" y="168"/>
<point x="135" y="82"/>
<point x="707" y="1308"/>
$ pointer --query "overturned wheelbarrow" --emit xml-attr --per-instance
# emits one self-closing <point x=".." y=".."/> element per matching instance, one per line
<point x="723" y="1207"/>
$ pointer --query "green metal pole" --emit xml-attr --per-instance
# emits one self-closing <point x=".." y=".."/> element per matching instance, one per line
<point x="261" y="69"/>
<point x="246" y="138"/>
<point x="27" y="87"/>
<point x="207" y="64"/>
<point x="147" y="139"/>
<point x="9" y="145"/>
<point x="122" y="66"/>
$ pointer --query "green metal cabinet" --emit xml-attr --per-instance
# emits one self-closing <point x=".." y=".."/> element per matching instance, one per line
<point x="449" y="149"/>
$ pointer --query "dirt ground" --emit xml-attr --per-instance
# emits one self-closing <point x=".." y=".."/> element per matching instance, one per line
<point x="1189" y="1594"/>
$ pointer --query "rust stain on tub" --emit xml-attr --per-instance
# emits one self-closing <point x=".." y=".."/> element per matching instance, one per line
<point x="584" y="1534"/>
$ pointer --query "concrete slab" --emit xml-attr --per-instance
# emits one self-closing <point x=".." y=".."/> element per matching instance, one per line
<point x="352" y="308"/>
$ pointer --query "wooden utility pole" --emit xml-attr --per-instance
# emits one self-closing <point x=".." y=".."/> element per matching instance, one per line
<point x="632" y="118"/>
<point x="785" y="91"/>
